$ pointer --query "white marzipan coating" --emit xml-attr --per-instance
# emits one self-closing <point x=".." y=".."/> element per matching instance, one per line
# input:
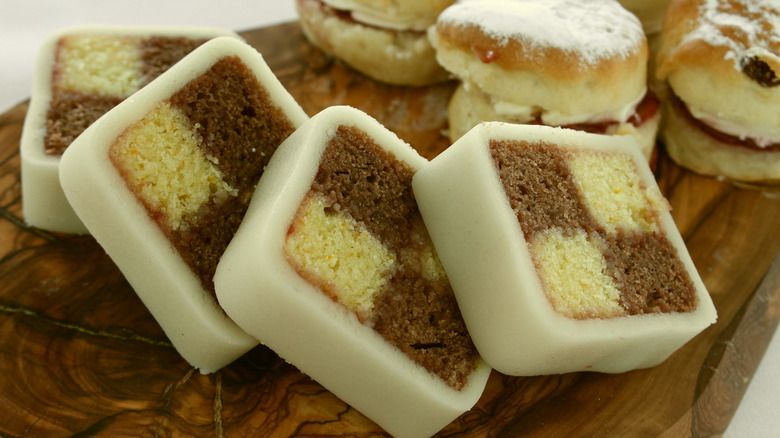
<point x="262" y="292"/>
<point x="482" y="247"/>
<point x="197" y="327"/>
<point x="43" y="201"/>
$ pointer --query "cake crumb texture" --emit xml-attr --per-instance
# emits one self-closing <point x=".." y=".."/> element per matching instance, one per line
<point x="414" y="308"/>
<point x="240" y="125"/>
<point x="221" y="130"/>
<point x="541" y="188"/>
<point x="161" y="160"/>
<point x="70" y="114"/>
<point x="649" y="273"/>
<point x="613" y="192"/>
<point x="573" y="263"/>
<point x="593" y="231"/>
<point x="159" y="53"/>
<point x="94" y="73"/>
<point x="98" y="64"/>
<point x="338" y="253"/>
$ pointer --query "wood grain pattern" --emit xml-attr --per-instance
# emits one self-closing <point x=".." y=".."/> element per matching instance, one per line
<point x="80" y="355"/>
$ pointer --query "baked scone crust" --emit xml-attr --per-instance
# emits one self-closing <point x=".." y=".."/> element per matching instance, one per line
<point x="386" y="55"/>
<point x="410" y="11"/>
<point x="526" y="73"/>
<point x="698" y="56"/>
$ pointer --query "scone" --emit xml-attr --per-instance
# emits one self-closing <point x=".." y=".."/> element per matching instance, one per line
<point x="578" y="64"/>
<point x="720" y="60"/>
<point x="385" y="40"/>
<point x="334" y="270"/>
<point x="561" y="250"/>
<point x="162" y="182"/>
<point x="81" y="73"/>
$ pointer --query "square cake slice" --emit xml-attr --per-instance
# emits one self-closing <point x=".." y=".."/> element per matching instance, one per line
<point x="333" y="269"/>
<point x="163" y="180"/>
<point x="561" y="250"/>
<point x="81" y="73"/>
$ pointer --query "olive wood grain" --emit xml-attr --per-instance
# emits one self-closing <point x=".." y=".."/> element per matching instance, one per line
<point x="80" y="355"/>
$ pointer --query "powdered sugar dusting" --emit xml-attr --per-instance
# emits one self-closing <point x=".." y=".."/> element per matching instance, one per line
<point x="746" y="27"/>
<point x="595" y="29"/>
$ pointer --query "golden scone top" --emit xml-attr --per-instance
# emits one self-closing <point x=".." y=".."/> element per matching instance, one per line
<point x="743" y="32"/>
<point x="590" y="30"/>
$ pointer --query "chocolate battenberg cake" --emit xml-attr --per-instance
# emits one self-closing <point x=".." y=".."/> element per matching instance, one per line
<point x="163" y="180"/>
<point x="333" y="268"/>
<point x="561" y="250"/>
<point x="81" y="73"/>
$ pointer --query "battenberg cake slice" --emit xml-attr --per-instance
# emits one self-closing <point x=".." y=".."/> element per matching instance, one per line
<point x="81" y="73"/>
<point x="163" y="180"/>
<point x="334" y="270"/>
<point x="561" y="250"/>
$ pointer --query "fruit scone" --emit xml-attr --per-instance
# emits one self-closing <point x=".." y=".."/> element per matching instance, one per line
<point x="80" y="74"/>
<point x="561" y="250"/>
<point x="720" y="59"/>
<point x="163" y="180"/>
<point x="384" y="40"/>
<point x="572" y="63"/>
<point x="334" y="270"/>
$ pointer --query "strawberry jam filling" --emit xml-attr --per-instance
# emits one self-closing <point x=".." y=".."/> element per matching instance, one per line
<point x="485" y="55"/>
<point x="645" y="110"/>
<point x="718" y="135"/>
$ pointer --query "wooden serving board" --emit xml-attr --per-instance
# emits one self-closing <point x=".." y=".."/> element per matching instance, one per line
<point x="80" y="355"/>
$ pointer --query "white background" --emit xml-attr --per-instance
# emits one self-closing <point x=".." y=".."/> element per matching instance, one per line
<point x="25" y="23"/>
